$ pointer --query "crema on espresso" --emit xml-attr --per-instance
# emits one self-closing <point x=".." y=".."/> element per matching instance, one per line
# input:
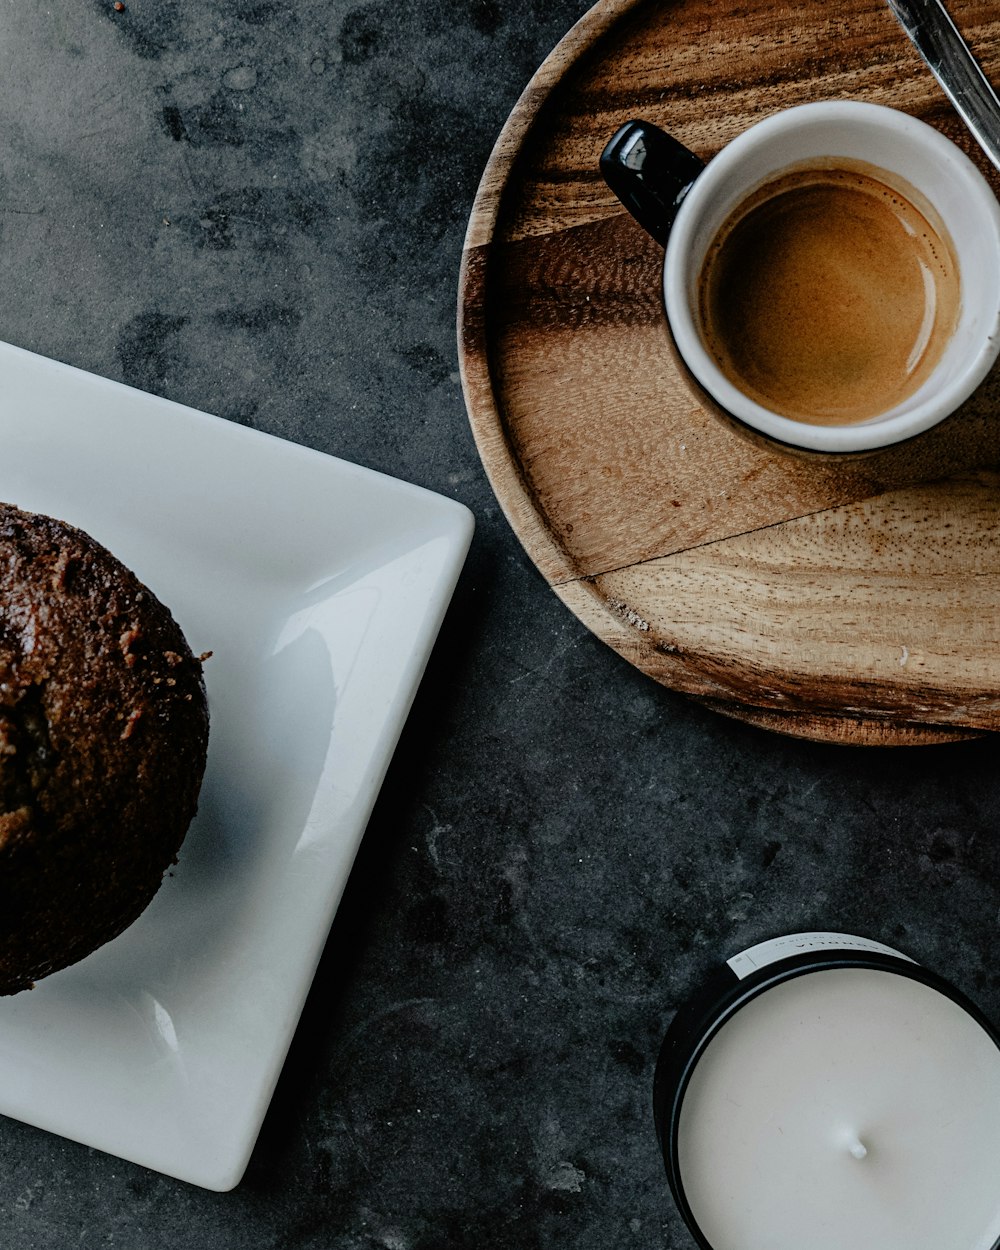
<point x="827" y="296"/>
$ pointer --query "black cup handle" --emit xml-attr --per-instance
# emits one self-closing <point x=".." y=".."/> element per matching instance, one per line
<point x="651" y="173"/>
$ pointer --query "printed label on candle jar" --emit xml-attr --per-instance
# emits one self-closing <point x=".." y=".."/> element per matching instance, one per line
<point x="792" y="944"/>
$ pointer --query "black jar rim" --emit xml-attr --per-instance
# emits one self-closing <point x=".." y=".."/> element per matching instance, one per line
<point x="719" y="999"/>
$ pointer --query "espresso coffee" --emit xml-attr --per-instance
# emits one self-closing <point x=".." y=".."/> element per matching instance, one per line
<point x="828" y="296"/>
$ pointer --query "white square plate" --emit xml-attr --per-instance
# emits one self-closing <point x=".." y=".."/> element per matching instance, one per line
<point x="320" y="587"/>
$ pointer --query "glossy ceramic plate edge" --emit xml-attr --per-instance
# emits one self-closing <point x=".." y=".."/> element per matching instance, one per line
<point x="221" y="1166"/>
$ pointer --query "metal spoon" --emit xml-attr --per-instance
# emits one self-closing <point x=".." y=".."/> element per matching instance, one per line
<point x="935" y="36"/>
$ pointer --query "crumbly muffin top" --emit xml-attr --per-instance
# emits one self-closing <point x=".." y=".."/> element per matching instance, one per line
<point x="103" y="737"/>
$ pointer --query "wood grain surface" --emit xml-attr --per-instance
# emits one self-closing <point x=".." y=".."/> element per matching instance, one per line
<point x="854" y="600"/>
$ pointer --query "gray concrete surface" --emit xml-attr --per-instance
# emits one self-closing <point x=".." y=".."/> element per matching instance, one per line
<point x="257" y="208"/>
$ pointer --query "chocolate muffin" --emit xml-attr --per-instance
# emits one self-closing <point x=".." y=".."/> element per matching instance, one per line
<point x="103" y="736"/>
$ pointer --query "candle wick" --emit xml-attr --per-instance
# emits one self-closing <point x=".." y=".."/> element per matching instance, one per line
<point x="858" y="1148"/>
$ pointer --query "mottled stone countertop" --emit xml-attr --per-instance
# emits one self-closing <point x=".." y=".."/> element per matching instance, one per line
<point x="257" y="208"/>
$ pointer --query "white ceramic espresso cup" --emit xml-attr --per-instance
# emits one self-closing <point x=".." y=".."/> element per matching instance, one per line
<point x="684" y="204"/>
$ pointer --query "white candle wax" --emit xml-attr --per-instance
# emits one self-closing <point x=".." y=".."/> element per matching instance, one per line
<point x="845" y="1109"/>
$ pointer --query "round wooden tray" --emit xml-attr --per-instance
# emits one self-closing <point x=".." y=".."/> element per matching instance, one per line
<point x="852" y="600"/>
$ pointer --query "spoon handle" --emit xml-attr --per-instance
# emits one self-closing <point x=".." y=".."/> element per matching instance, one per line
<point x="936" y="38"/>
